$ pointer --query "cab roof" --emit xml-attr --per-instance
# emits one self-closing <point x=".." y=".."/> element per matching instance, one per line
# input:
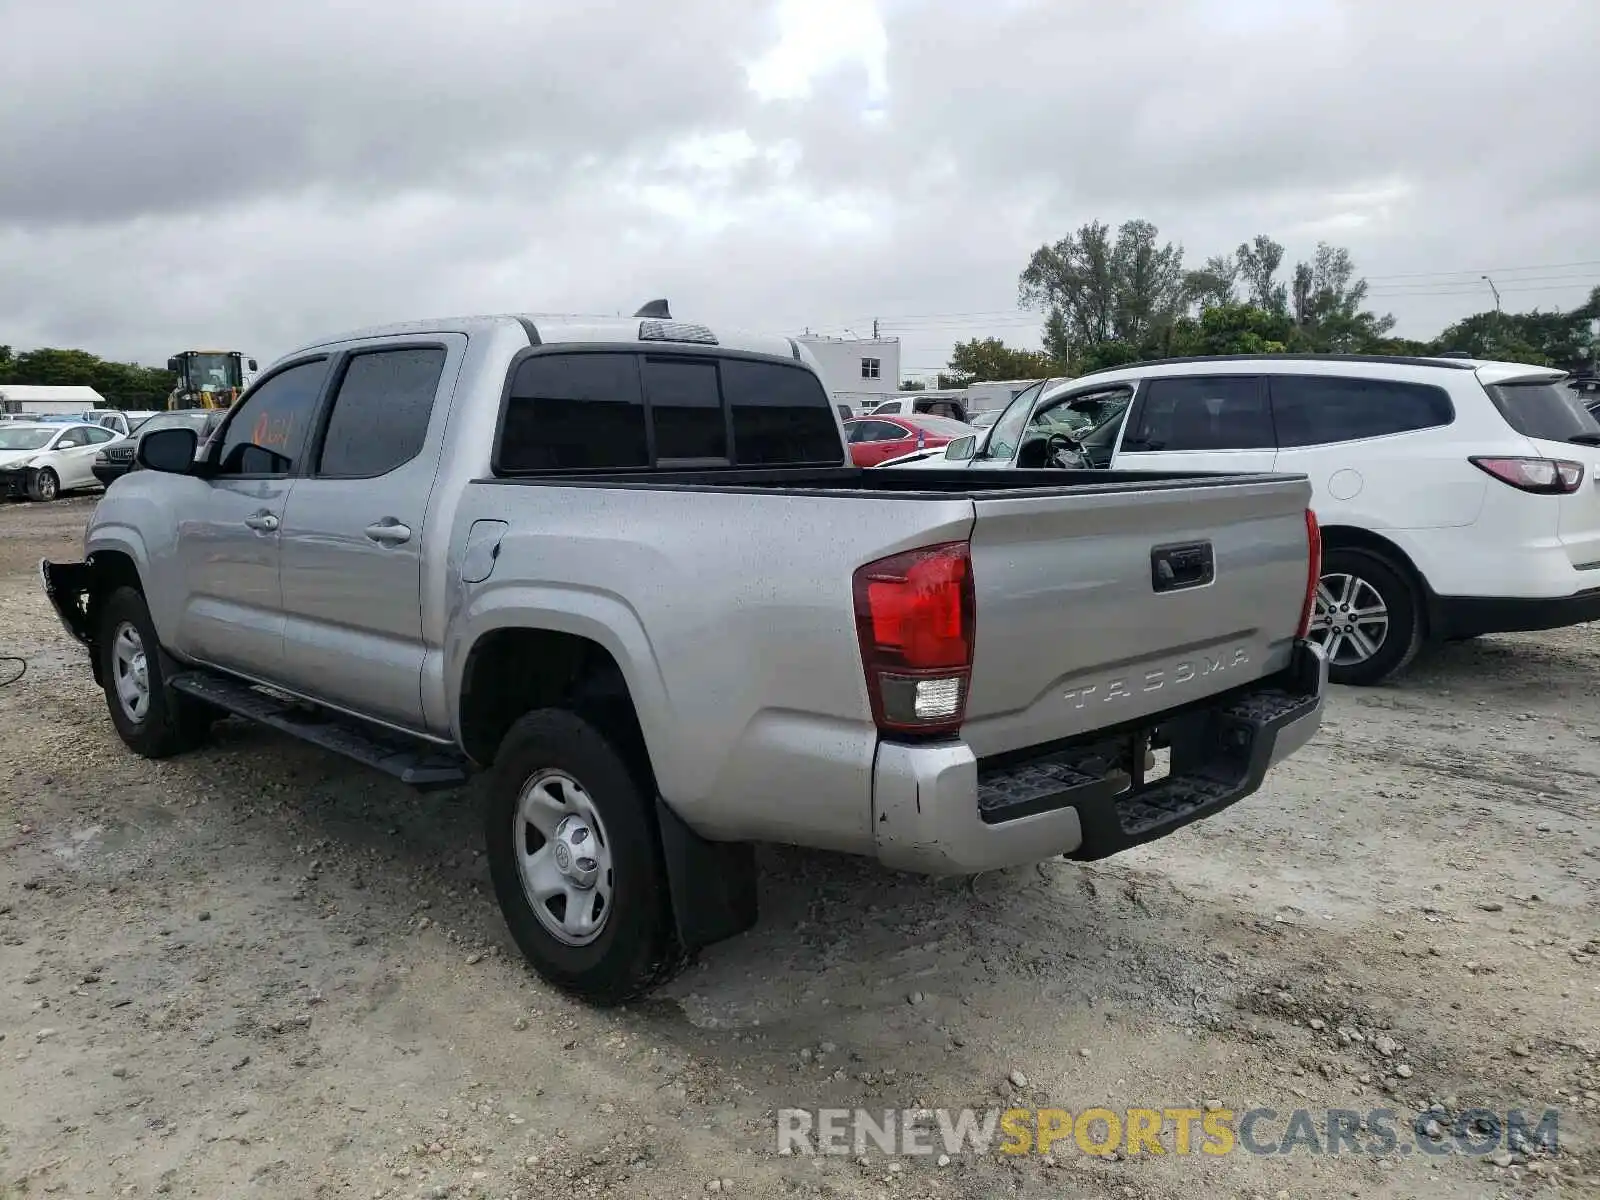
<point x="572" y="328"/>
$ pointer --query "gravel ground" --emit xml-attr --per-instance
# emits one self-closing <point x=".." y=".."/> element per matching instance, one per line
<point x="260" y="971"/>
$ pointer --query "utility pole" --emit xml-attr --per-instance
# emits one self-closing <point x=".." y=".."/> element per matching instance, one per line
<point x="874" y="328"/>
<point x="1499" y="321"/>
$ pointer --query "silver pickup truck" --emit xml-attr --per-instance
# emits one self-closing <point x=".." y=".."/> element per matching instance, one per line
<point x="624" y="568"/>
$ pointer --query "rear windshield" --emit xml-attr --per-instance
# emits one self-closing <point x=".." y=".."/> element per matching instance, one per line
<point x="622" y="410"/>
<point x="1549" y="411"/>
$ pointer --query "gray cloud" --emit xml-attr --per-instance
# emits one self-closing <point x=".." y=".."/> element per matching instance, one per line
<point x="269" y="175"/>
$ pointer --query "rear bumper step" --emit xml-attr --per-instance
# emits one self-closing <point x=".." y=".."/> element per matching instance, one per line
<point x="1221" y="751"/>
<point x="419" y="764"/>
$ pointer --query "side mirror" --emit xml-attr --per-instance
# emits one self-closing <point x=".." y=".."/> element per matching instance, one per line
<point x="169" y="450"/>
<point x="962" y="448"/>
<point x="251" y="364"/>
<point x="172" y="365"/>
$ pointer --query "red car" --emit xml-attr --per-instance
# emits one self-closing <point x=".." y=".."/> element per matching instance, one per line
<point x="875" y="439"/>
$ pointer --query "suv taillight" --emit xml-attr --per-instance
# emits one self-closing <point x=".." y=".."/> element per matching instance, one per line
<point x="1313" y="571"/>
<point x="1549" y="476"/>
<point x="915" y="616"/>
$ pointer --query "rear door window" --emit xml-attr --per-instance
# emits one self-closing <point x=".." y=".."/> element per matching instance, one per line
<point x="1549" y="411"/>
<point x="1201" y="412"/>
<point x="1318" y="410"/>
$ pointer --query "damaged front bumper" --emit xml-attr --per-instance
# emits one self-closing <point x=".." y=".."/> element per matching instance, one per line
<point x="16" y="483"/>
<point x="70" y="588"/>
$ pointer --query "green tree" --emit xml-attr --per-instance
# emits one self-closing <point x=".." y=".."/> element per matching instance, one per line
<point x="1214" y="284"/>
<point x="1327" y="305"/>
<point x="1233" y="329"/>
<point x="981" y="361"/>
<point x="1544" y="339"/>
<point x="124" y="385"/>
<point x="913" y="385"/>
<point x="1258" y="262"/>
<point x="1094" y="288"/>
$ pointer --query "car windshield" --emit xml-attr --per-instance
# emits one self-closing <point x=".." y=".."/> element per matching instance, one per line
<point x="1544" y="409"/>
<point x="25" y="438"/>
<point x="985" y="419"/>
<point x="941" y="426"/>
<point x="213" y="372"/>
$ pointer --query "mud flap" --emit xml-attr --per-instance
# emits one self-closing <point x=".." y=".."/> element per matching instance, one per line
<point x="713" y="884"/>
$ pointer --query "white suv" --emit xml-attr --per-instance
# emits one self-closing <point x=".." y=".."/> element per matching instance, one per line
<point x="1456" y="497"/>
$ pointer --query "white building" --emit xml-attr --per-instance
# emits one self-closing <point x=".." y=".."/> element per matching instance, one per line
<point x="860" y="372"/>
<point x="42" y="399"/>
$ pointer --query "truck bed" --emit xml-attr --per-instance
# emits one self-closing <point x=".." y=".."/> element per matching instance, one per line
<point x="733" y="591"/>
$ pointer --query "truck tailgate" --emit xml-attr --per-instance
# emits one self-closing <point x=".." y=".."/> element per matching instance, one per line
<point x="1095" y="608"/>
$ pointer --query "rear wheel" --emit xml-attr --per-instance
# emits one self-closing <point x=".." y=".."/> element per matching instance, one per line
<point x="575" y="858"/>
<point x="1367" y="619"/>
<point x="153" y="720"/>
<point x="46" y="485"/>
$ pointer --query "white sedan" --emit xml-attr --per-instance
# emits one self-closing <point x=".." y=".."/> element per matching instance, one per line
<point x="42" y="460"/>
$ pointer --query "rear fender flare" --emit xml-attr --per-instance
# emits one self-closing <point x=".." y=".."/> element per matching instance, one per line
<point x="601" y="618"/>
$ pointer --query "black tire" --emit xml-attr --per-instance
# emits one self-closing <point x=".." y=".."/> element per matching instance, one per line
<point x="171" y="723"/>
<point x="1403" y="636"/>
<point x="46" y="486"/>
<point x="636" y="948"/>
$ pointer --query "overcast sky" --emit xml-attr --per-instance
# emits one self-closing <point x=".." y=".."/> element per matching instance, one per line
<point x="178" y="172"/>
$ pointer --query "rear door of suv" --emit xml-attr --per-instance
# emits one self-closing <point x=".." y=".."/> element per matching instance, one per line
<point x="1542" y="408"/>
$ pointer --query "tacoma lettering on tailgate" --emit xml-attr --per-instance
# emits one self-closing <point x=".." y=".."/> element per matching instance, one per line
<point x="1155" y="679"/>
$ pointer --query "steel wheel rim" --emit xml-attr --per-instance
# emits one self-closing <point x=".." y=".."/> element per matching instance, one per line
<point x="130" y="670"/>
<point x="1351" y="620"/>
<point x="563" y="857"/>
<point x="47" y="485"/>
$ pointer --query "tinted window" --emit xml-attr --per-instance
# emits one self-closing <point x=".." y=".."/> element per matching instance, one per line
<point x="1313" y="410"/>
<point x="574" y="412"/>
<point x="941" y="426"/>
<point x="100" y="434"/>
<point x="780" y="414"/>
<point x="1551" y="412"/>
<point x="882" y="431"/>
<point x="686" y="408"/>
<point x="268" y="430"/>
<point x="1202" y="413"/>
<point x="381" y="410"/>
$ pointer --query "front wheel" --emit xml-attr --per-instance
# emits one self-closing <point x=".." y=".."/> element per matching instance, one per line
<point x="576" y="861"/>
<point x="46" y="486"/>
<point x="1367" y="619"/>
<point x="151" y="719"/>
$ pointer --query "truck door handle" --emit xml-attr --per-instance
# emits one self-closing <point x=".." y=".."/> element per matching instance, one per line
<point x="389" y="532"/>
<point x="265" y="522"/>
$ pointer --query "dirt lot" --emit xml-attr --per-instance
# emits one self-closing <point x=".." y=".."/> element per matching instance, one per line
<point x="259" y="971"/>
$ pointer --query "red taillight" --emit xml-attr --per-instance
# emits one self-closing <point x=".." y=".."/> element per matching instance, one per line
<point x="1313" y="571"/>
<point x="915" y="615"/>
<point x="1550" y="476"/>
